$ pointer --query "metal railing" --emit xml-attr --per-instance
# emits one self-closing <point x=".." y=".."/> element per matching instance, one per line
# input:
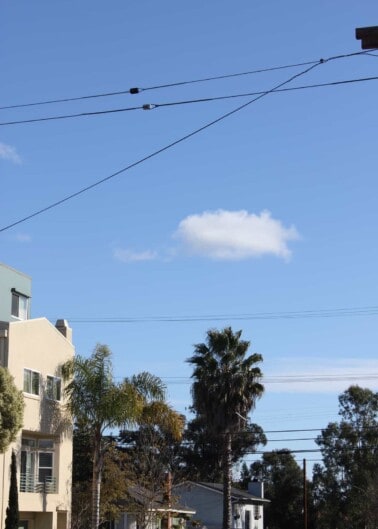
<point x="29" y="483"/>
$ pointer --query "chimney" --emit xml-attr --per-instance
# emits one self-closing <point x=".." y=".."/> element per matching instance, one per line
<point x="63" y="327"/>
<point x="256" y="488"/>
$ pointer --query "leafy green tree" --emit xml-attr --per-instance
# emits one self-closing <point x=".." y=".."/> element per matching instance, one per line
<point x="283" y="486"/>
<point x="225" y="389"/>
<point x="201" y="452"/>
<point x="113" y="486"/>
<point x="12" y="515"/>
<point x="11" y="409"/>
<point x="345" y="485"/>
<point x="153" y="454"/>
<point x="98" y="403"/>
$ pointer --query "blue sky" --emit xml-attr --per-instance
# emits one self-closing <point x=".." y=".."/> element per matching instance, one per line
<point x="273" y="210"/>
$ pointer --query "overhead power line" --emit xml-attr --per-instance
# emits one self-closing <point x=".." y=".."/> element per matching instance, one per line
<point x="304" y="379"/>
<point x="153" y="106"/>
<point x="170" y="145"/>
<point x="280" y="315"/>
<point x="174" y="84"/>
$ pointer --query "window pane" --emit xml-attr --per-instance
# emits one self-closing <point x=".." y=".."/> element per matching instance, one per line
<point x="23" y="307"/>
<point x="57" y="388"/>
<point x="45" y="459"/>
<point x="35" y="383"/>
<point x="44" y="475"/>
<point x="49" y="387"/>
<point x="27" y="381"/>
<point x="247" y="519"/>
<point x="46" y="443"/>
<point x="31" y="382"/>
<point x="14" y="304"/>
<point x="53" y="387"/>
<point x="28" y="442"/>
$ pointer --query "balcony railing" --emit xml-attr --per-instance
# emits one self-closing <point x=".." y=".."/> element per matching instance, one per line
<point x="29" y="483"/>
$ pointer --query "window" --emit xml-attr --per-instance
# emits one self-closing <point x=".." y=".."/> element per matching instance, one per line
<point x="37" y="465"/>
<point x="247" y="519"/>
<point x="53" y="387"/>
<point x="20" y="305"/>
<point x="31" y="382"/>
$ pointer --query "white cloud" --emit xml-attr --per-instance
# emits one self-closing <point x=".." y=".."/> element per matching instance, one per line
<point x="235" y="235"/>
<point x="7" y="152"/>
<point x="129" y="256"/>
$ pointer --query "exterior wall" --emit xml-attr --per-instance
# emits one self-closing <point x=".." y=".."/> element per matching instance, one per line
<point x="207" y="504"/>
<point x="244" y="512"/>
<point x="39" y="346"/>
<point x="9" y="279"/>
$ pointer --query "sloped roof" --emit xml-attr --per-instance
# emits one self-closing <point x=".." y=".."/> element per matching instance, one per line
<point x="237" y="495"/>
<point x="156" y="500"/>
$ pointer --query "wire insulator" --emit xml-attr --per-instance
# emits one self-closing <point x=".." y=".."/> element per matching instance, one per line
<point x="135" y="90"/>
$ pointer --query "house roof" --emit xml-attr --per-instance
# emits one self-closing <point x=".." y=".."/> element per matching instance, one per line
<point x="237" y="495"/>
<point x="156" y="501"/>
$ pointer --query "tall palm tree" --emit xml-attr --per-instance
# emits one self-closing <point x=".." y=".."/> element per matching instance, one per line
<point x="98" y="403"/>
<point x="225" y="389"/>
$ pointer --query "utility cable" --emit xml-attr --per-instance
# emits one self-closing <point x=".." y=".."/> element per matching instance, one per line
<point x="159" y="151"/>
<point x="169" y="85"/>
<point x="152" y="106"/>
<point x="304" y="379"/>
<point x="138" y="90"/>
<point x="321" y="313"/>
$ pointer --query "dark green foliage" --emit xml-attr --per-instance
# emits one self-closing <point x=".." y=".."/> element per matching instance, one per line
<point x="12" y="516"/>
<point x="283" y="486"/>
<point x="113" y="483"/>
<point x="202" y="450"/>
<point x="346" y="485"/>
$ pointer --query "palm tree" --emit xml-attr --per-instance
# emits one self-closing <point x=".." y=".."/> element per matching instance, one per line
<point x="97" y="403"/>
<point x="225" y="389"/>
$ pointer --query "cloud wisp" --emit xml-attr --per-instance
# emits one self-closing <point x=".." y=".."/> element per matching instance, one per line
<point x="9" y="153"/>
<point x="332" y="376"/>
<point x="129" y="256"/>
<point x="235" y="235"/>
<point x="23" y="237"/>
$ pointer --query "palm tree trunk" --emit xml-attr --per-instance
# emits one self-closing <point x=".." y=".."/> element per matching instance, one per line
<point x="227" y="480"/>
<point x="96" y="482"/>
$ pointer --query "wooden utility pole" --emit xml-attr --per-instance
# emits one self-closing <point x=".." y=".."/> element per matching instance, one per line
<point x="168" y="494"/>
<point x="304" y="496"/>
<point x="368" y="37"/>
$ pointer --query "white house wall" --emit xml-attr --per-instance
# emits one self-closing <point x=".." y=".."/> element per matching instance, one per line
<point x="208" y="505"/>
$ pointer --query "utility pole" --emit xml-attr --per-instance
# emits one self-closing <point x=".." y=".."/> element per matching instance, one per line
<point x="368" y="37"/>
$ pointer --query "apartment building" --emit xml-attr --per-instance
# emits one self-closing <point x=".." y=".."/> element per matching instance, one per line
<point x="33" y="351"/>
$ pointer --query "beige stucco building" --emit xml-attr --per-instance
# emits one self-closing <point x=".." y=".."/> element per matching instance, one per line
<point x="33" y="351"/>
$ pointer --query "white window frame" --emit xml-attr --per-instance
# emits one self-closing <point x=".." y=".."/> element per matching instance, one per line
<point x="30" y="387"/>
<point x="35" y="448"/>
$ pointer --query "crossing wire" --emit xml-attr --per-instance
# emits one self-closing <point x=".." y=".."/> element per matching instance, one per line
<point x="170" y="145"/>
